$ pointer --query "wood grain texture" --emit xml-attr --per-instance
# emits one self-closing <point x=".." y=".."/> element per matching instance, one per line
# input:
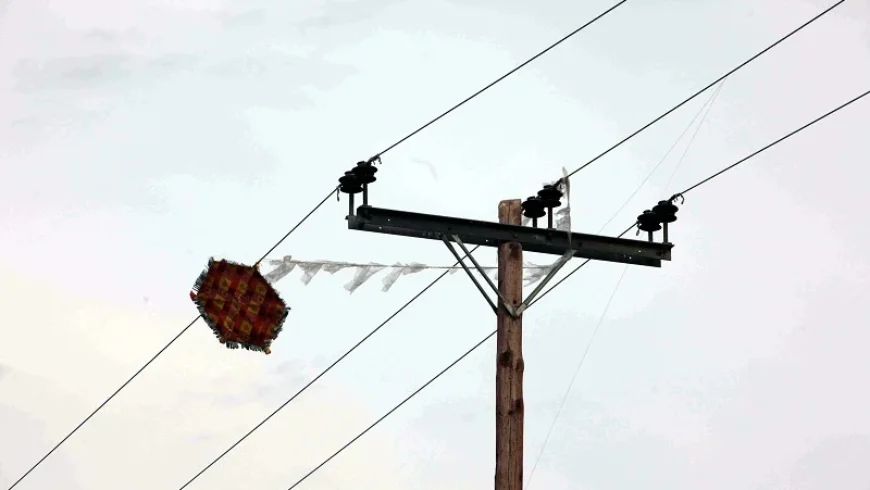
<point x="509" y="362"/>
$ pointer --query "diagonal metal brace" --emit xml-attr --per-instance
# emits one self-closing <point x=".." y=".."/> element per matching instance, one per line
<point x="554" y="269"/>
<point x="508" y="307"/>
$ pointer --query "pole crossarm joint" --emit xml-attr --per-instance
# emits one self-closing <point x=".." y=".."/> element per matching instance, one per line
<point x="514" y="312"/>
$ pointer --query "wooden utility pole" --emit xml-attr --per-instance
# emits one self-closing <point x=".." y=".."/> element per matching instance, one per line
<point x="511" y="238"/>
<point x="509" y="408"/>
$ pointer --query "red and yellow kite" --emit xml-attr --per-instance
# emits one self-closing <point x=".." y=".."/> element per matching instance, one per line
<point x="239" y="305"/>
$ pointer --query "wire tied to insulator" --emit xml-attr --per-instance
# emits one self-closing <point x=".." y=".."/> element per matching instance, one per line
<point x="659" y="217"/>
<point x="357" y="180"/>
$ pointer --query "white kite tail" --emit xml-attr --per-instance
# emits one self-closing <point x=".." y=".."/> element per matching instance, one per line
<point x="563" y="216"/>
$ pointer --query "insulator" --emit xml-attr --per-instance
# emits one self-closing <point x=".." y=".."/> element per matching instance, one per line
<point x="365" y="172"/>
<point x="533" y="207"/>
<point x="550" y="196"/>
<point x="349" y="183"/>
<point x="649" y="221"/>
<point x="666" y="210"/>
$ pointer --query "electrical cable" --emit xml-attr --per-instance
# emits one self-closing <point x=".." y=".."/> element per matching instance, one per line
<point x="491" y="334"/>
<point x="107" y="400"/>
<point x="717" y="174"/>
<point x="303" y="220"/>
<point x="714" y="82"/>
<point x="694" y="135"/>
<point x="774" y="143"/>
<point x="574" y="376"/>
<point x="509" y="73"/>
<point x="702" y="113"/>
<point x="705" y="109"/>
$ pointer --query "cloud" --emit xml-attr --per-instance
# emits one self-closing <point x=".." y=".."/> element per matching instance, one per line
<point x="319" y="14"/>
<point x="833" y="462"/>
<point x="95" y="71"/>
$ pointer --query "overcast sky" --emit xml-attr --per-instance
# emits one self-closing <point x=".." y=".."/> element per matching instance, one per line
<point x="139" y="138"/>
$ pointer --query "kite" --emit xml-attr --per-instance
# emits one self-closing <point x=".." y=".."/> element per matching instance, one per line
<point x="239" y="305"/>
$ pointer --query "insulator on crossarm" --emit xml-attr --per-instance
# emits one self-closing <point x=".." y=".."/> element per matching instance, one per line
<point x="350" y="184"/>
<point x="533" y="208"/>
<point x="649" y="222"/>
<point x="551" y="197"/>
<point x="667" y="213"/>
<point x="365" y="172"/>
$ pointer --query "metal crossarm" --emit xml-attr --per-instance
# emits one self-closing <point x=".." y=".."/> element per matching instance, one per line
<point x="487" y="233"/>
<point x="471" y="276"/>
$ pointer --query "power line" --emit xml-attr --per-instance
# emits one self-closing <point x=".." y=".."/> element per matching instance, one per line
<point x="390" y="412"/>
<point x="279" y="242"/>
<point x="705" y="110"/>
<point x="107" y="400"/>
<point x="694" y="135"/>
<point x="482" y="341"/>
<point x="305" y="218"/>
<point x="708" y="104"/>
<point x="574" y="376"/>
<point x="714" y="82"/>
<point x="499" y="79"/>
<point x="783" y="138"/>
<point x="717" y="174"/>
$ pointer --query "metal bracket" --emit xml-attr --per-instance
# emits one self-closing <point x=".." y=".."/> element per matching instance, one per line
<point x="514" y="312"/>
<point x="554" y="269"/>
<point x="507" y="306"/>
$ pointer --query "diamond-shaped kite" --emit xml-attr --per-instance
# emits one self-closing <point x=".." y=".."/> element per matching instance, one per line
<point x="239" y="305"/>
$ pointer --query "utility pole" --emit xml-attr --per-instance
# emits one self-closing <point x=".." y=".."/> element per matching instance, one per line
<point x="511" y="239"/>
<point x="509" y="406"/>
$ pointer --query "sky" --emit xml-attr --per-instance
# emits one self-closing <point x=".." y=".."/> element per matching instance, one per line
<point x="140" y="138"/>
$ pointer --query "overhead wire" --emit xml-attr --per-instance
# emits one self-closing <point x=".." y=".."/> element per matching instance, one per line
<point x="509" y="73"/>
<point x="714" y="82"/>
<point x="103" y="404"/>
<point x="774" y="143"/>
<point x="318" y="206"/>
<point x="574" y="376"/>
<point x="624" y="140"/>
<point x="491" y="334"/>
<point x="694" y="135"/>
<point x="703" y="112"/>
<point x="719" y="173"/>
